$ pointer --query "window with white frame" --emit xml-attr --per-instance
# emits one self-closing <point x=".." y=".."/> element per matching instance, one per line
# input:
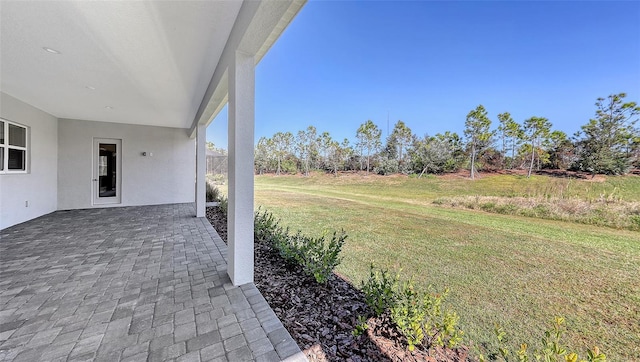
<point x="13" y="147"/>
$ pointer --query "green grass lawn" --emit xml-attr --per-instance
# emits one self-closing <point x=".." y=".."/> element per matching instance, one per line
<point x="518" y="271"/>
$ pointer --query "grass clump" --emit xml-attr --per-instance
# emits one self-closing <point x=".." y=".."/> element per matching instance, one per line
<point x="603" y="211"/>
<point x="212" y="192"/>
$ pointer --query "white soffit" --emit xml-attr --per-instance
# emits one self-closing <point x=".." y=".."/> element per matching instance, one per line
<point x="149" y="62"/>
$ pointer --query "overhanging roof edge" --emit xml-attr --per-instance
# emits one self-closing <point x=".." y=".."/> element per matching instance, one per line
<point x="243" y="36"/>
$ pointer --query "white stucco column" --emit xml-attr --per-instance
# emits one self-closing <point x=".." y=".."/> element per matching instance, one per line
<point x="201" y="170"/>
<point x="241" y="129"/>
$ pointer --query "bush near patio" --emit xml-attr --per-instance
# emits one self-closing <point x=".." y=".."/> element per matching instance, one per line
<point x="318" y="256"/>
<point x="418" y="314"/>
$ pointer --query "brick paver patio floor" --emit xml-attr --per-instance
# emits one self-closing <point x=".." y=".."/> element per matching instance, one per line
<point x="129" y="284"/>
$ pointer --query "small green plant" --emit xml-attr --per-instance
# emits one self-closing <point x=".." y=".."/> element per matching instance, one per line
<point x="594" y="355"/>
<point x="506" y="209"/>
<point x="488" y="206"/>
<point x="265" y="225"/>
<point x="522" y="354"/>
<point x="501" y="336"/>
<point x="319" y="256"/>
<point x="542" y="211"/>
<point x="635" y="222"/>
<point x="448" y="332"/>
<point x="441" y="325"/>
<point x="552" y="348"/>
<point x="409" y="312"/>
<point x="379" y="290"/>
<point x="361" y="326"/>
<point x="288" y="246"/>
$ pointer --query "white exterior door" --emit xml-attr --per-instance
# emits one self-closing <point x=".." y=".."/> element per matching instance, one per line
<point x="107" y="171"/>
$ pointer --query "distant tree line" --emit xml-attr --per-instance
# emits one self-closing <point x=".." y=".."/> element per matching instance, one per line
<point x="608" y="144"/>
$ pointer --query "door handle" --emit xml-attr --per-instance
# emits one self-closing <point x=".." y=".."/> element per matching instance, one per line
<point x="95" y="179"/>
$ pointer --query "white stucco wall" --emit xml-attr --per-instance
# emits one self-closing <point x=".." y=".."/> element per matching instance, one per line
<point x="166" y="177"/>
<point x="38" y="187"/>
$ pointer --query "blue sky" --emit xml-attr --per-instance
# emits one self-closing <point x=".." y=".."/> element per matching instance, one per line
<point x="429" y="63"/>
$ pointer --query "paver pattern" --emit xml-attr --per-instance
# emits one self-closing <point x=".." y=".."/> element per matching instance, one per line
<point x="142" y="283"/>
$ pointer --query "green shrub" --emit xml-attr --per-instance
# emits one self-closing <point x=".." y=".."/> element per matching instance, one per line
<point x="506" y="209"/>
<point x="386" y="167"/>
<point x="488" y="206"/>
<point x="635" y="222"/>
<point x="449" y="334"/>
<point x="418" y="315"/>
<point x="265" y="225"/>
<point x="379" y="290"/>
<point x="422" y="320"/>
<point x="361" y="327"/>
<point x="289" y="166"/>
<point x="409" y="312"/>
<point x="289" y="246"/>
<point x="317" y="256"/>
<point x="542" y="211"/>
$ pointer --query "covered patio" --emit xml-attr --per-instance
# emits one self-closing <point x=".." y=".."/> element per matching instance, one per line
<point x="129" y="284"/>
<point x="105" y="253"/>
<point x="106" y="104"/>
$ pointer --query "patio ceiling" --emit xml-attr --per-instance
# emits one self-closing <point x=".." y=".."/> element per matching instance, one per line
<point x="151" y="62"/>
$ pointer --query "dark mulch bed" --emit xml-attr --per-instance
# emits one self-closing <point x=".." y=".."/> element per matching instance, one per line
<point x="219" y="222"/>
<point x="321" y="318"/>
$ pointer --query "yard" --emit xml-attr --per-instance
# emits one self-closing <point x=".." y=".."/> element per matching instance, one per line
<point x="513" y="270"/>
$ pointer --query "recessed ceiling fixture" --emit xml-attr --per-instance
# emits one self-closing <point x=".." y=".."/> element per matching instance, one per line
<point x="50" y="50"/>
<point x="108" y="107"/>
<point x="90" y="87"/>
